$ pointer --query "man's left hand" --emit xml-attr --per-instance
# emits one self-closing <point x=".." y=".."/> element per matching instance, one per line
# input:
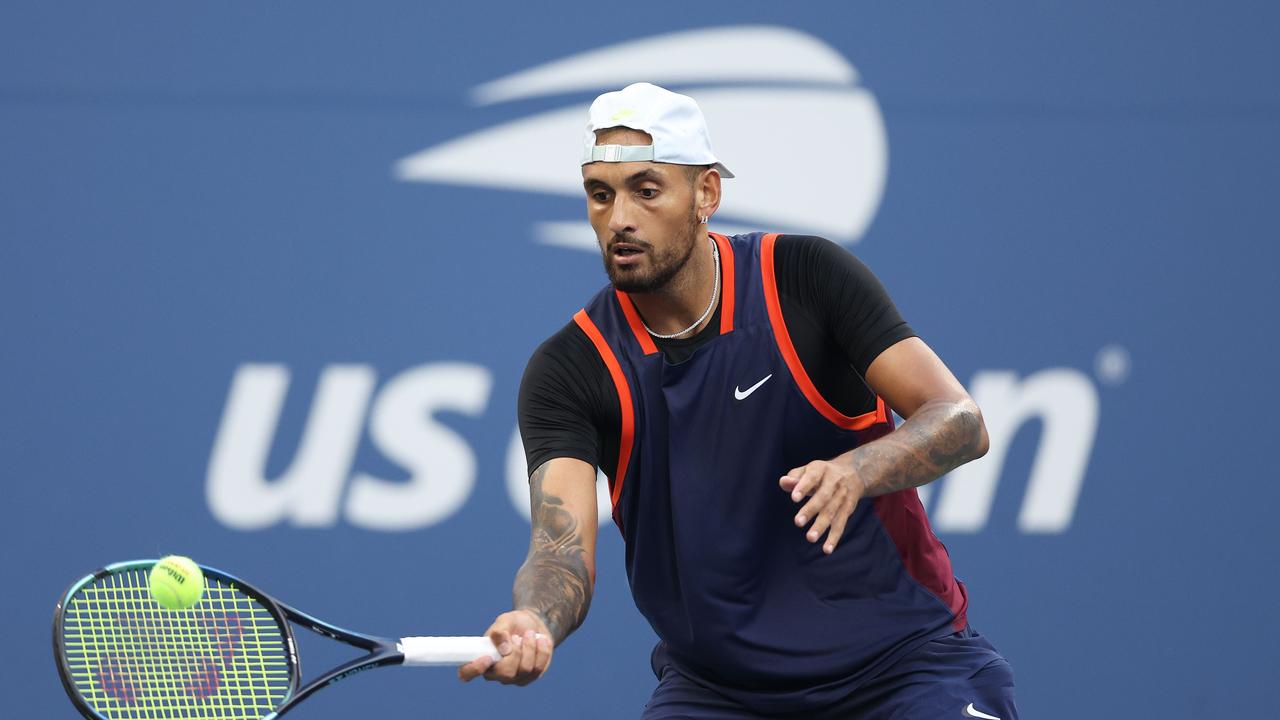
<point x="833" y="489"/>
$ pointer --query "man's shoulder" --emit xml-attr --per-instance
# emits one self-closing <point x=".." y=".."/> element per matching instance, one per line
<point x="786" y="246"/>
<point x="565" y="370"/>
<point x="807" y="246"/>
<point x="795" y="247"/>
<point x="568" y="346"/>
<point x="806" y="262"/>
<point x="568" y="338"/>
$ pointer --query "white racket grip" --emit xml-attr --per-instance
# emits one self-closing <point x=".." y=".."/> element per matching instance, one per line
<point x="446" y="650"/>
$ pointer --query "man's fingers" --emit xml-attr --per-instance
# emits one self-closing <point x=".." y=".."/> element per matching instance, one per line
<point x="505" y="669"/>
<point x="810" y="510"/>
<point x="837" y="530"/>
<point x="820" y="525"/>
<point x="474" y="669"/>
<point x="826" y="509"/>
<point x="528" y="653"/>
<point x="524" y="655"/>
<point x="822" y="499"/>
<point x="810" y="477"/>
<point x="808" y="480"/>
<point x="541" y="645"/>
<point x="544" y="653"/>
<point x="788" y="482"/>
<point x="501" y="640"/>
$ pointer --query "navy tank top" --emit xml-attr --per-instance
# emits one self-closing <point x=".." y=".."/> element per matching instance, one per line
<point x="741" y="601"/>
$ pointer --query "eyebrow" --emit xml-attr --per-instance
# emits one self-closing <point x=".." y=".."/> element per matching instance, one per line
<point x="646" y="174"/>
<point x="634" y="179"/>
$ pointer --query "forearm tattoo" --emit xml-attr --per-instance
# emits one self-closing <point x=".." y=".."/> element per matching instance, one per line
<point x="554" y="581"/>
<point x="937" y="439"/>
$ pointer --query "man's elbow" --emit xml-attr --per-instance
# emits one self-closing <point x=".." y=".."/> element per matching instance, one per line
<point x="978" y="427"/>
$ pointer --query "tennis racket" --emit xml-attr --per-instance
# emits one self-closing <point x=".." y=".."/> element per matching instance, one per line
<point x="231" y="655"/>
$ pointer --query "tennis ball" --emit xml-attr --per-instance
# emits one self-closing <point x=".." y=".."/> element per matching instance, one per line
<point x="176" y="582"/>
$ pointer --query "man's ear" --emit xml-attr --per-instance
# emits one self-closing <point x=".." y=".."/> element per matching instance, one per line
<point x="707" y="192"/>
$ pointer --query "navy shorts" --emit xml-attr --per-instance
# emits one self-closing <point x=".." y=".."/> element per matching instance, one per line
<point x="956" y="676"/>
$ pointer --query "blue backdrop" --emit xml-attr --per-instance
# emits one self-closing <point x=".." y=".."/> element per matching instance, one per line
<point x="269" y="275"/>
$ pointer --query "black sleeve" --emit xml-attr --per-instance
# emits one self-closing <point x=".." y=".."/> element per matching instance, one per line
<point x="567" y="403"/>
<point x="840" y="295"/>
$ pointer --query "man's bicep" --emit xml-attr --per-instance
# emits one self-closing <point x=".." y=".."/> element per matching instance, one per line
<point x="908" y="374"/>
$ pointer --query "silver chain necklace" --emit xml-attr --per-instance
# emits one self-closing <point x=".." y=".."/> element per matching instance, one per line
<point x="715" y="294"/>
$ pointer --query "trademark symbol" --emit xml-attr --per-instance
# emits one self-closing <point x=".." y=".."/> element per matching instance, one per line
<point x="1112" y="365"/>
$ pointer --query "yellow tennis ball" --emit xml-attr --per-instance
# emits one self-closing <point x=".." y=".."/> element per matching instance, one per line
<point x="176" y="582"/>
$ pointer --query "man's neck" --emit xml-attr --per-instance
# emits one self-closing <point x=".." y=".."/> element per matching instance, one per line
<point x="683" y="300"/>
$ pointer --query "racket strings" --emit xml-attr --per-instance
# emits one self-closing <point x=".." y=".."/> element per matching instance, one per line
<point x="129" y="658"/>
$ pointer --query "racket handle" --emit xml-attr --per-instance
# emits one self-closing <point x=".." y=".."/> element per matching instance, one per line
<point x="446" y="650"/>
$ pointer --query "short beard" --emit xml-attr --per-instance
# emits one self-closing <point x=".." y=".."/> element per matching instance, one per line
<point x="663" y="268"/>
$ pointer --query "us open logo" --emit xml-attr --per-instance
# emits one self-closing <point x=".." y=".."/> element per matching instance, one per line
<point x="781" y="106"/>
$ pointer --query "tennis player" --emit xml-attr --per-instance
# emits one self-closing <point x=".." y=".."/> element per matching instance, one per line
<point x="737" y="392"/>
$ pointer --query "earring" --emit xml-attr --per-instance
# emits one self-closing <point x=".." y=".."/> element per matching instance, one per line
<point x="703" y="219"/>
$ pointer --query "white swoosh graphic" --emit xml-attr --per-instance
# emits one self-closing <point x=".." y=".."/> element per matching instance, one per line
<point x="742" y="395"/>
<point x="538" y="153"/>
<point x="778" y="54"/>
<point x="970" y="712"/>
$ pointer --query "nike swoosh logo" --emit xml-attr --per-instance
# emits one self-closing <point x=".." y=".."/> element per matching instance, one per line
<point x="970" y="712"/>
<point x="740" y="394"/>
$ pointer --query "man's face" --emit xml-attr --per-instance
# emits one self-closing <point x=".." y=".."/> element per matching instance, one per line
<point x="643" y="214"/>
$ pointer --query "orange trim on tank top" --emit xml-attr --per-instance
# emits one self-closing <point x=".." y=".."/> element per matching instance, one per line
<point x="628" y="433"/>
<point x="726" y="282"/>
<point x="783" y="338"/>
<point x="637" y="325"/>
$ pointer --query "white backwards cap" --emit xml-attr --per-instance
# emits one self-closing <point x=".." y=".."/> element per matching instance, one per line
<point x="674" y="121"/>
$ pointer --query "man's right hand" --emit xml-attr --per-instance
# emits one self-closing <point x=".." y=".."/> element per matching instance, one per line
<point x="525" y="645"/>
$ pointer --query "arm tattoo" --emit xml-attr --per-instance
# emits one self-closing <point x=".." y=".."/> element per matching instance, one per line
<point x="938" y="438"/>
<point x="554" y="581"/>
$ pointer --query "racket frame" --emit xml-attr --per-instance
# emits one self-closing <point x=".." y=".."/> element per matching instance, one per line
<point x="379" y="651"/>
